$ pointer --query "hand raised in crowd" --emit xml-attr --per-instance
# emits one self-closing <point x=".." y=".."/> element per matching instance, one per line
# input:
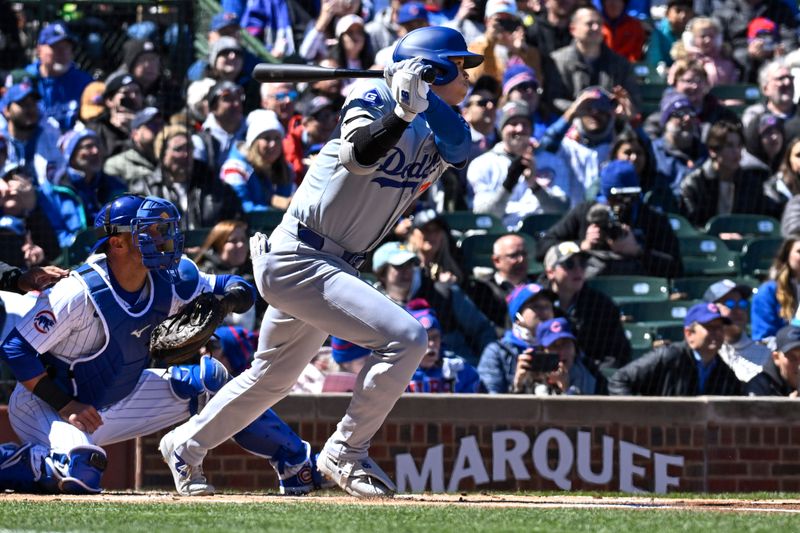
<point x="465" y="9"/>
<point x="32" y="253"/>
<point x="625" y="108"/>
<point x="626" y="245"/>
<point x="82" y="416"/>
<point x="580" y="106"/>
<point x="592" y="238"/>
<point x="559" y="378"/>
<point x="39" y="278"/>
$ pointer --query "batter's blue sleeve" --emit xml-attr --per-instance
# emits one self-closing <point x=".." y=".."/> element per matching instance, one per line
<point x="450" y="131"/>
<point x="21" y="357"/>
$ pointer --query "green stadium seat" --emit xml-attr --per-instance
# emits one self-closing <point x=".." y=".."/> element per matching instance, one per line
<point x="746" y="225"/>
<point x="641" y="339"/>
<point x="646" y="74"/>
<point x="757" y="256"/>
<point x="77" y="252"/>
<point x="750" y="94"/>
<point x="192" y="238"/>
<point x="624" y="289"/>
<point x="461" y="222"/>
<point x="707" y="256"/>
<point x="681" y="226"/>
<point x="695" y="287"/>
<point x="477" y="249"/>
<point x="662" y="200"/>
<point x="657" y="314"/>
<point x="668" y="332"/>
<point x="536" y="225"/>
<point x="264" y="221"/>
<point x="652" y="92"/>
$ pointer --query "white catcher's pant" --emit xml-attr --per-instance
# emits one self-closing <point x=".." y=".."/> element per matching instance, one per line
<point x="312" y="294"/>
<point x="150" y="407"/>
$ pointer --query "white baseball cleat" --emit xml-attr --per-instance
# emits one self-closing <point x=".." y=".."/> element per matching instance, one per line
<point x="358" y="477"/>
<point x="189" y="480"/>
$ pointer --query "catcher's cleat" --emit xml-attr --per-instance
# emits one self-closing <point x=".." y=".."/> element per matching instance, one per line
<point x="189" y="480"/>
<point x="358" y="477"/>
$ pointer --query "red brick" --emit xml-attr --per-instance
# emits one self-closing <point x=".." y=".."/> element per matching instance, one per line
<point x="790" y="454"/>
<point x="418" y="433"/>
<point x="447" y="432"/>
<point x="627" y="433"/>
<point x="759" y="454"/>
<point x="685" y="436"/>
<point x="727" y="469"/>
<point x="722" y="485"/>
<point x="726" y="436"/>
<point x="753" y="485"/>
<point x="691" y="485"/>
<point x="643" y="436"/>
<point x="699" y="436"/>
<point x="783" y="435"/>
<point x="693" y="471"/>
<point x="390" y="432"/>
<point x="786" y="470"/>
<point x="212" y="463"/>
<point x="240" y="481"/>
<point x="795" y="435"/>
<point x="728" y="454"/>
<point x="689" y="455"/>
<point x="740" y="435"/>
<point x="754" y="436"/>
<point x="759" y="469"/>
<point x="233" y="464"/>
<point x="768" y="434"/>
<point x="790" y="485"/>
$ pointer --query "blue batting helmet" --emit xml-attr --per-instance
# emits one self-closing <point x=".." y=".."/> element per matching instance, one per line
<point x="436" y="45"/>
<point x="153" y="224"/>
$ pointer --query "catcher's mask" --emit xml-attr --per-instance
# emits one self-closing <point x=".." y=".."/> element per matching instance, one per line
<point x="154" y="226"/>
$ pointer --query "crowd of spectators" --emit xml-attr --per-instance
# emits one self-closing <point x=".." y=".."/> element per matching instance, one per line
<point x="559" y="126"/>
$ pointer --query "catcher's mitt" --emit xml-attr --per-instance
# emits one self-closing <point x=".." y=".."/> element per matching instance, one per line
<point x="179" y="337"/>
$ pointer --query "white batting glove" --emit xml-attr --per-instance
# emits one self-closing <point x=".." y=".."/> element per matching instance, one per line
<point x="390" y="70"/>
<point x="258" y="245"/>
<point x="409" y="90"/>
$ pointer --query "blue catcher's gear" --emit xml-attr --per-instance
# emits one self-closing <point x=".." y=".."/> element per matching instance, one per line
<point x="154" y="225"/>
<point x="436" y="45"/>
<point x="26" y="468"/>
<point x="79" y="470"/>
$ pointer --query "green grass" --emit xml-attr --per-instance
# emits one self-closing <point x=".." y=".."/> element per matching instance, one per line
<point x="301" y="517"/>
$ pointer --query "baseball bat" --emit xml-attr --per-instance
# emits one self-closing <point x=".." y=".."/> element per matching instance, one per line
<point x="275" y="73"/>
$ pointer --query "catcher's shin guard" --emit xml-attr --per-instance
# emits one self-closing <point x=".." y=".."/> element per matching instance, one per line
<point x="79" y="470"/>
<point x="190" y="381"/>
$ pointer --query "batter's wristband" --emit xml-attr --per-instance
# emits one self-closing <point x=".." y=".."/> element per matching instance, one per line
<point x="51" y="393"/>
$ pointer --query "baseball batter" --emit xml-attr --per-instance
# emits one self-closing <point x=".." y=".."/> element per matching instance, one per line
<point x="395" y="138"/>
<point x="80" y="356"/>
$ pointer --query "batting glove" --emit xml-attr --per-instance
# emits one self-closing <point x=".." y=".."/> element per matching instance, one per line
<point x="258" y="245"/>
<point x="409" y="90"/>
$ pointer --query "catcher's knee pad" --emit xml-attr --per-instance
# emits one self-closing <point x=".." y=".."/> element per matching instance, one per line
<point x="79" y="470"/>
<point x="24" y="468"/>
<point x="190" y="381"/>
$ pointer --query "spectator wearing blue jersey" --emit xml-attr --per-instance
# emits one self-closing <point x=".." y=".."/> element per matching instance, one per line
<point x="257" y="168"/>
<point x="440" y="370"/>
<point x="58" y="79"/>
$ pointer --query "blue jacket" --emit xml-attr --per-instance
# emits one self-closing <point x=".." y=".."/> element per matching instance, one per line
<point x="672" y="166"/>
<point x="452" y="375"/>
<point x="765" y="318"/>
<point x="61" y="95"/>
<point x="254" y="190"/>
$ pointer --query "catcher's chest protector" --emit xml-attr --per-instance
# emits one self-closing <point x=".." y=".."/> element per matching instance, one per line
<point x="108" y="376"/>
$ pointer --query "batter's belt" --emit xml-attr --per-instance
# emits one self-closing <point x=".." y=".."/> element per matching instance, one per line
<point x="323" y="244"/>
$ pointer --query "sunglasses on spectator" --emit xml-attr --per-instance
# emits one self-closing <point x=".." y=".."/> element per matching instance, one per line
<point x="527" y="87"/>
<point x="483" y="102"/>
<point x="572" y="262"/>
<point x="232" y="96"/>
<point x="291" y="95"/>
<point x="683" y="113"/>
<point x="733" y="304"/>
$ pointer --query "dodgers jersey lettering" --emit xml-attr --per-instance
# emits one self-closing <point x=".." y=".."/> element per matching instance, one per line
<point x="359" y="210"/>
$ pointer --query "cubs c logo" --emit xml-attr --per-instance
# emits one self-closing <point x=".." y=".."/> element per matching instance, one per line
<point x="426" y="322"/>
<point x="305" y="476"/>
<point x="555" y="327"/>
<point x="44" y="321"/>
<point x="713" y="308"/>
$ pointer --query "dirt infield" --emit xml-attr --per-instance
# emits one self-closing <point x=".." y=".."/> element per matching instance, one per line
<point x="485" y="500"/>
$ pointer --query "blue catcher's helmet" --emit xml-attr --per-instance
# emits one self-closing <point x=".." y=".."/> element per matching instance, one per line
<point x="436" y="45"/>
<point x="153" y="225"/>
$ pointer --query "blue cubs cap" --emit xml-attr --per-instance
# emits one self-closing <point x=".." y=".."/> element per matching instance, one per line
<point x="223" y="20"/>
<point x="238" y="345"/>
<point x="344" y="351"/>
<point x="602" y="101"/>
<point x="703" y="313"/>
<point x="424" y="313"/>
<point x="54" y="32"/>
<point x="411" y="11"/>
<point x="517" y="75"/>
<point x="19" y="92"/>
<point x="618" y="177"/>
<point x="672" y="103"/>
<point x="787" y="338"/>
<point x="522" y="294"/>
<point x="552" y="330"/>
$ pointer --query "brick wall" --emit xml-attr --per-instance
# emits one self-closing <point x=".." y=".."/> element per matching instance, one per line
<point x="727" y="444"/>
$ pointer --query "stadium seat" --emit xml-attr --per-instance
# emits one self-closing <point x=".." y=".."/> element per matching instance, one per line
<point x="681" y="226"/>
<point x="746" y="225"/>
<point x="647" y="75"/>
<point x="661" y="200"/>
<point x="624" y="289"/>
<point x="641" y="339"/>
<point x="757" y="256"/>
<point x="195" y="237"/>
<point x="264" y="221"/>
<point x="691" y="288"/>
<point x="652" y="92"/>
<point x="749" y="94"/>
<point x="78" y="251"/>
<point x="536" y="225"/>
<point x="668" y="332"/>
<point x="707" y="256"/>
<point x="477" y="249"/>
<point x="461" y="222"/>
<point x="657" y="314"/>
